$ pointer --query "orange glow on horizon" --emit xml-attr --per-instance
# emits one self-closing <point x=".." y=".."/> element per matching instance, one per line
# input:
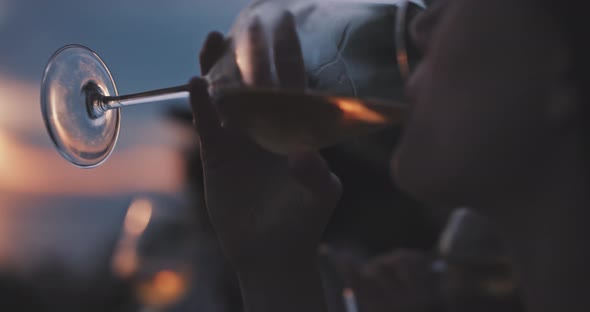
<point x="126" y="260"/>
<point x="355" y="110"/>
<point x="4" y="144"/>
<point x="165" y="288"/>
<point x="138" y="216"/>
<point x="151" y="164"/>
<point x="30" y="169"/>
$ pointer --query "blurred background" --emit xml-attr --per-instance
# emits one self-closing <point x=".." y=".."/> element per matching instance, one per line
<point x="126" y="236"/>
<point x="61" y="226"/>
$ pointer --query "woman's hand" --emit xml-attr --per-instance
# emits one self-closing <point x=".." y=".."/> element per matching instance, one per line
<point x="260" y="203"/>
<point x="269" y="211"/>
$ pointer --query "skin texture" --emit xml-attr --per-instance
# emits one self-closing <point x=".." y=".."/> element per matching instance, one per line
<point x="494" y="125"/>
<point x="495" y="102"/>
<point x="482" y="99"/>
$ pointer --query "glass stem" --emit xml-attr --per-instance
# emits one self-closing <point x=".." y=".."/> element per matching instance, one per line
<point x="166" y="94"/>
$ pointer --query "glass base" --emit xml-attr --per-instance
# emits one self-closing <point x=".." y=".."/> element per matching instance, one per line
<point x="74" y="80"/>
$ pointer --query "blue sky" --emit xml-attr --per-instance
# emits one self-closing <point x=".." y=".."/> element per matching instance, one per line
<point x="146" y="44"/>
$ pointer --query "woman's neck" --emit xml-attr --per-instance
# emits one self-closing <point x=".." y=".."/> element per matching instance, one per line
<point x="547" y="233"/>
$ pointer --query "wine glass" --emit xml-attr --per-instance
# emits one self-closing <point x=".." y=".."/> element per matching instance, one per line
<point x="81" y="107"/>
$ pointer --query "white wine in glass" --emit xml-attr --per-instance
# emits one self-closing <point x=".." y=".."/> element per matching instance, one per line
<point x="355" y="55"/>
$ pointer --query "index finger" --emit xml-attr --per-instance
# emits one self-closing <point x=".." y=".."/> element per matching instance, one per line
<point x="288" y="56"/>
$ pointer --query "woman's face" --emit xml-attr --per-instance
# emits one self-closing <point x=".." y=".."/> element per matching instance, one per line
<point x="486" y="99"/>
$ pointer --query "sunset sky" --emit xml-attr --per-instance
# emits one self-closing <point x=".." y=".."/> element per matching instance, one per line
<point x="49" y="208"/>
<point x="146" y="44"/>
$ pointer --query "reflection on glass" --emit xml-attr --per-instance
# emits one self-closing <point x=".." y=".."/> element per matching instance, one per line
<point x="81" y="106"/>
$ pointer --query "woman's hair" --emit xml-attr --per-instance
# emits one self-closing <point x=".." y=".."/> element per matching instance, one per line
<point x="572" y="17"/>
